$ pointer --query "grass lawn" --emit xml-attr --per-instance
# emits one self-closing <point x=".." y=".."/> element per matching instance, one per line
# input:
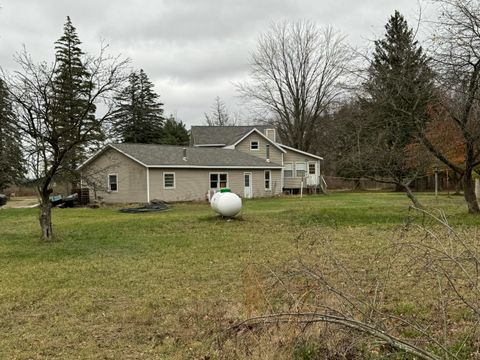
<point x="161" y="286"/>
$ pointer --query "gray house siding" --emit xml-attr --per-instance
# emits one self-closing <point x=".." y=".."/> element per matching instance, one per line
<point x="244" y="146"/>
<point x="132" y="183"/>
<point x="194" y="184"/>
<point x="190" y="184"/>
<point x="292" y="157"/>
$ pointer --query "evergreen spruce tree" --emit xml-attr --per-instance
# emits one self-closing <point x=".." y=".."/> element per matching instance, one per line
<point x="400" y="81"/>
<point x="139" y="115"/>
<point x="11" y="160"/>
<point x="394" y="108"/>
<point x="71" y="90"/>
<point x="174" y="132"/>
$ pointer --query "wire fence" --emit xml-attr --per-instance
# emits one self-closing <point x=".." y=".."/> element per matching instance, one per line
<point x="422" y="183"/>
<point x="341" y="183"/>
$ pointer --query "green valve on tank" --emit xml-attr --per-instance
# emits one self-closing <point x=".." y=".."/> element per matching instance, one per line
<point x="225" y="190"/>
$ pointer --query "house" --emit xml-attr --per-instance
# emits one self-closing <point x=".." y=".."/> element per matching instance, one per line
<point x="299" y="168"/>
<point x="247" y="159"/>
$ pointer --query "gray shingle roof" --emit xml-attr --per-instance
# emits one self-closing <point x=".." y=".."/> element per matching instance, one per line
<point x="168" y="155"/>
<point x="224" y="135"/>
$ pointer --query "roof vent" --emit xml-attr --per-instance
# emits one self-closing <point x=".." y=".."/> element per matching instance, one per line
<point x="184" y="154"/>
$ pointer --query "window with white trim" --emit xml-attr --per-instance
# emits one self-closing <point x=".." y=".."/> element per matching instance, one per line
<point x="312" y="168"/>
<point x="168" y="180"/>
<point x="268" y="182"/>
<point x="112" y="182"/>
<point x="218" y="180"/>
<point x="300" y="169"/>
<point x="253" y="145"/>
<point x="267" y="152"/>
<point x="288" y="171"/>
<point x="246" y="178"/>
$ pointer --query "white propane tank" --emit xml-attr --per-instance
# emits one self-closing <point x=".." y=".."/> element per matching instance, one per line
<point x="226" y="203"/>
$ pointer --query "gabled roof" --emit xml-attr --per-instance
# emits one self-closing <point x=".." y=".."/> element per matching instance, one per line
<point x="153" y="155"/>
<point x="300" y="152"/>
<point x="255" y="130"/>
<point x="221" y="135"/>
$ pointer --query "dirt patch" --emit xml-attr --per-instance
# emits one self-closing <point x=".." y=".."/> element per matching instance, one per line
<point x="21" y="202"/>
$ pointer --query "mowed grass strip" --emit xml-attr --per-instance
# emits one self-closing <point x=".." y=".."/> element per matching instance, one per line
<point x="163" y="285"/>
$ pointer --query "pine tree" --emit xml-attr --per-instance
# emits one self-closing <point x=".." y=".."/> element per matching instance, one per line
<point x="11" y="159"/>
<point x="174" y="132"/>
<point x="139" y="115"/>
<point x="395" y="105"/>
<point x="71" y="89"/>
<point x="400" y="81"/>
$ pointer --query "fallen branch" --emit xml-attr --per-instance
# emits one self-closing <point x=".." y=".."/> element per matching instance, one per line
<point x="311" y="318"/>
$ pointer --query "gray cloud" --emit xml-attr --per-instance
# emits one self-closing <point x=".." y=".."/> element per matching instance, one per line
<point x="193" y="50"/>
<point x="193" y="21"/>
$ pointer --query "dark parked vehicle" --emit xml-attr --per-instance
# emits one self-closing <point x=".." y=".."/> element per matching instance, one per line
<point x="69" y="201"/>
<point x="56" y="200"/>
<point x="3" y="199"/>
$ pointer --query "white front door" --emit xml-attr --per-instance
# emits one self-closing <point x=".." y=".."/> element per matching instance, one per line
<point x="312" y="171"/>
<point x="247" y="182"/>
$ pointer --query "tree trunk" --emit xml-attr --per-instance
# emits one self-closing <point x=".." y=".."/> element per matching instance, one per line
<point x="469" y="193"/>
<point x="458" y="182"/>
<point x="399" y="188"/>
<point x="358" y="184"/>
<point x="411" y="196"/>
<point x="45" y="218"/>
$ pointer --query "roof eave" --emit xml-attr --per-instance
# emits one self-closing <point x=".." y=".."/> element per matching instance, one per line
<point x="216" y="166"/>
<point x="301" y="152"/>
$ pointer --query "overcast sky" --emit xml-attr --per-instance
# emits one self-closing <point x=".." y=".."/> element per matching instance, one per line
<point x="193" y="50"/>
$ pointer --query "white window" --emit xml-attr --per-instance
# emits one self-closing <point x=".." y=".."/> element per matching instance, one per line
<point x="218" y="180"/>
<point x="168" y="180"/>
<point x="267" y="152"/>
<point x="113" y="182"/>
<point x="312" y="168"/>
<point x="268" y="182"/>
<point x="300" y="169"/>
<point x="288" y="171"/>
<point x="246" y="177"/>
<point x="253" y="145"/>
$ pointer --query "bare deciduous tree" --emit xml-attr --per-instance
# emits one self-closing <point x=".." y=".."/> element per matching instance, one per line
<point x="50" y="142"/>
<point x="219" y="115"/>
<point x="295" y="74"/>
<point x="457" y="58"/>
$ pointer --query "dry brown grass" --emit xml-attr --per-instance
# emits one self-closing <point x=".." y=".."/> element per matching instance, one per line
<point x="168" y="285"/>
<point x="418" y="282"/>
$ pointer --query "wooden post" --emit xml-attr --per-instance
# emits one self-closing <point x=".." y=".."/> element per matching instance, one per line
<point x="477" y="187"/>
<point x="301" y="188"/>
<point x="448" y="186"/>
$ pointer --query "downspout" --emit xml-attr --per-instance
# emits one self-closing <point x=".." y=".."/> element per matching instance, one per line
<point x="148" y="185"/>
<point x="282" y="174"/>
<point x="319" y="170"/>
<point x="319" y="176"/>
